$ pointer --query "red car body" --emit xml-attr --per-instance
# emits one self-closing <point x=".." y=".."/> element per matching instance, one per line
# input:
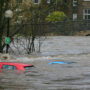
<point x="14" y="66"/>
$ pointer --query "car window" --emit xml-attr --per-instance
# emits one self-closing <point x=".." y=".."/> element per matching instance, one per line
<point x="9" y="67"/>
<point x="28" y="67"/>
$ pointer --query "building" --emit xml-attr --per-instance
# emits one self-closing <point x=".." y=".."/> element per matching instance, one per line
<point x="33" y="1"/>
<point x="81" y="9"/>
<point x="78" y="10"/>
<point x="30" y="7"/>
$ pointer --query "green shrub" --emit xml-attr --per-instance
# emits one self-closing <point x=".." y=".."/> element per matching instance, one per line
<point x="56" y="16"/>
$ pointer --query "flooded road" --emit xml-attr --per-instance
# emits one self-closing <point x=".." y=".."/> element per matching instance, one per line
<point x="74" y="76"/>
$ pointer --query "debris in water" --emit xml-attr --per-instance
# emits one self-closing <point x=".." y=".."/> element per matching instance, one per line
<point x="60" y="62"/>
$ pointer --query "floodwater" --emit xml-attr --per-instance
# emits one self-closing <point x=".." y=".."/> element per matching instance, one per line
<point x="74" y="76"/>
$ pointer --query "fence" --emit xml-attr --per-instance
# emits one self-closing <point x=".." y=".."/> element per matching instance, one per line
<point x="34" y="31"/>
<point x="56" y="28"/>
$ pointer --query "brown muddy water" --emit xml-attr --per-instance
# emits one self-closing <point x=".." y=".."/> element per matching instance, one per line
<point x="74" y="76"/>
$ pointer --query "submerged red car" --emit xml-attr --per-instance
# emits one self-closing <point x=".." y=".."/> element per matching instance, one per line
<point x="15" y="66"/>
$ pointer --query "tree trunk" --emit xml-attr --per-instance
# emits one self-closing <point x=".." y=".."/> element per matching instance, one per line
<point x="1" y="34"/>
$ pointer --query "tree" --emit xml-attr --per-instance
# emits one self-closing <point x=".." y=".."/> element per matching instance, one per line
<point x="5" y="5"/>
<point x="28" y="12"/>
<point x="56" y="16"/>
<point x="62" y="5"/>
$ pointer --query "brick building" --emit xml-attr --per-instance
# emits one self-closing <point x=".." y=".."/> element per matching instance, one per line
<point x="33" y="1"/>
<point x="78" y="10"/>
<point x="81" y="9"/>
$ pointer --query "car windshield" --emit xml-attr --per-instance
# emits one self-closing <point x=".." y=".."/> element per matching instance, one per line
<point x="28" y="67"/>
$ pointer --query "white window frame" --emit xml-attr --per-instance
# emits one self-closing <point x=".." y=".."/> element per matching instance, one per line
<point x="74" y="16"/>
<point x="36" y="2"/>
<point x="48" y="1"/>
<point x="86" y="13"/>
<point x="75" y="3"/>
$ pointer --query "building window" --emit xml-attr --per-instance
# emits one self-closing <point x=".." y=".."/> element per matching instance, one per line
<point x="48" y="1"/>
<point x="65" y="1"/>
<point x="74" y="3"/>
<point x="35" y="1"/>
<point x="74" y="16"/>
<point x="86" y="14"/>
<point x="86" y="0"/>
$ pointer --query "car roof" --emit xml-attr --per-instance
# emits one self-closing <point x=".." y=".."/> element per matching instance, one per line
<point x="15" y="63"/>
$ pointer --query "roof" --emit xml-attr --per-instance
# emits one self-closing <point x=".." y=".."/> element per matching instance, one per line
<point x="15" y="63"/>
